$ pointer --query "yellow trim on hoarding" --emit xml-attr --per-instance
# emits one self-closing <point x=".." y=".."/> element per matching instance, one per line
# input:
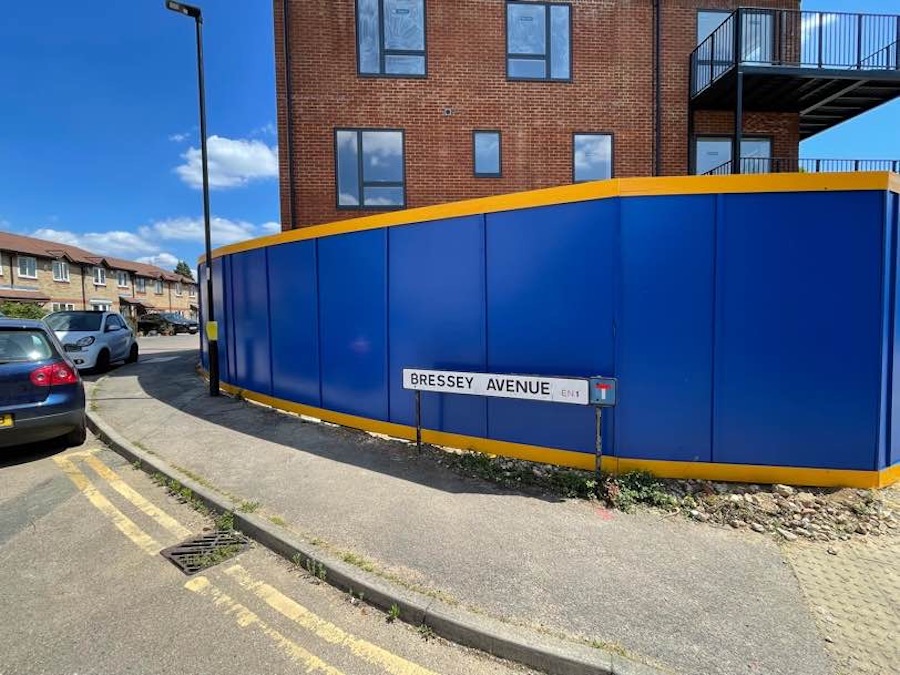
<point x="739" y="473"/>
<point x="567" y="194"/>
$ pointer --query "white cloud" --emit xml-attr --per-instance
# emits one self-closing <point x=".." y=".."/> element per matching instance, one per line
<point x="232" y="163"/>
<point x="223" y="230"/>
<point x="178" y="138"/>
<point x="165" y="260"/>
<point x="116" y="243"/>
<point x="268" y="129"/>
<point x="154" y="243"/>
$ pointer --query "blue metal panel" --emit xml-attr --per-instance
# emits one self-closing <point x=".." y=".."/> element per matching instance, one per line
<point x="353" y="315"/>
<point x="798" y="301"/>
<point x="892" y="457"/>
<point x="202" y="318"/>
<point x="219" y="266"/>
<point x="250" y="309"/>
<point x="665" y="328"/>
<point x="230" y="347"/>
<point x="550" y="274"/>
<point x="294" y="299"/>
<point x="437" y="318"/>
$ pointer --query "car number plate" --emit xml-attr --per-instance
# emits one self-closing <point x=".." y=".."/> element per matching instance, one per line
<point x="6" y="421"/>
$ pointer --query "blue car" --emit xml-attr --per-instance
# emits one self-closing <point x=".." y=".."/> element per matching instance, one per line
<point x="41" y="392"/>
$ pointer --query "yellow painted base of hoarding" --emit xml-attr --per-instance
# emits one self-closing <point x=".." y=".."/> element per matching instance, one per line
<point x="738" y="473"/>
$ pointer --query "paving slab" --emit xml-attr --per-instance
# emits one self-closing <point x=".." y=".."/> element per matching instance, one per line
<point x="682" y="595"/>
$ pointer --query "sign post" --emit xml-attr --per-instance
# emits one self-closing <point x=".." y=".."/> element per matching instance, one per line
<point x="600" y="392"/>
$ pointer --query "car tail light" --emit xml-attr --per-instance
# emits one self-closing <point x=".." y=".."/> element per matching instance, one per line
<point x="55" y="373"/>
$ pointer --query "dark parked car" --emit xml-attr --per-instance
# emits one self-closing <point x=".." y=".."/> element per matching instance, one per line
<point x="167" y="322"/>
<point x="41" y="392"/>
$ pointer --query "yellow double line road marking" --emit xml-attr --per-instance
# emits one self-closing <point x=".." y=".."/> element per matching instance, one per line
<point x="323" y="629"/>
<point x="201" y="585"/>
<point x="246" y="618"/>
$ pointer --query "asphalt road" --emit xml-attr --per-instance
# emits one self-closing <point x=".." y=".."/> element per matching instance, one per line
<point x="84" y="590"/>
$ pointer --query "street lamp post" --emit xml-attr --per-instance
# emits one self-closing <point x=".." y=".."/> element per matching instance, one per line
<point x="212" y="328"/>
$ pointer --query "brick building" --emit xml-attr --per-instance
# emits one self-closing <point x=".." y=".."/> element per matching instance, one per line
<point x="59" y="276"/>
<point x="403" y="103"/>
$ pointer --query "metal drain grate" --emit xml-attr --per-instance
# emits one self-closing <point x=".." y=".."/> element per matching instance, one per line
<point x="208" y="549"/>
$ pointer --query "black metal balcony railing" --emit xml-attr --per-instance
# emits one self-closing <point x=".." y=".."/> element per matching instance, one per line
<point x="797" y="39"/>
<point x="786" y="165"/>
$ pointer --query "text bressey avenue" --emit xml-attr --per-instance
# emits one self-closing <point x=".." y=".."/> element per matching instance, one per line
<point x="532" y="387"/>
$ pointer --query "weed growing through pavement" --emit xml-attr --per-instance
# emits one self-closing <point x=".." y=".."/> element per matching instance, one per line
<point x="636" y="487"/>
<point x="225" y="521"/>
<point x="316" y="569"/>
<point x="248" y="507"/>
<point x="277" y="520"/>
<point x="393" y="614"/>
<point x="426" y="632"/>
<point x="137" y="465"/>
<point x="358" y="561"/>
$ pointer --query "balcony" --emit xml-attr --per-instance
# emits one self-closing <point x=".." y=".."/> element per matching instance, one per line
<point x="786" y="165"/>
<point x="826" y="66"/>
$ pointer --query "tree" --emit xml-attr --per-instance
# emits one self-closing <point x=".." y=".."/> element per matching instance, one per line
<point x="184" y="270"/>
<point x="22" y="310"/>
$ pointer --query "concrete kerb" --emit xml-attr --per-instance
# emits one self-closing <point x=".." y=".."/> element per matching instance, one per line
<point x="506" y="641"/>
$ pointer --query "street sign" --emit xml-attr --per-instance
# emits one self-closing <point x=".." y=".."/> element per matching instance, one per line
<point x="530" y="387"/>
<point x="604" y="391"/>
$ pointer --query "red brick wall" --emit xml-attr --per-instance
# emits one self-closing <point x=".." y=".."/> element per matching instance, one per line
<point x="611" y="91"/>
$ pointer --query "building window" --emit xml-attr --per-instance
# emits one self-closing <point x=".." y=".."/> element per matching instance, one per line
<point x="370" y="173"/>
<point x="192" y="290"/>
<point x="714" y="153"/>
<point x="592" y="157"/>
<point x="60" y="270"/>
<point x="538" y="41"/>
<point x="27" y="267"/>
<point x="122" y="279"/>
<point x="486" y="153"/>
<point x="179" y="289"/>
<point x="100" y="276"/>
<point x="390" y="37"/>
<point x="62" y="307"/>
<point x="140" y="284"/>
<point x="158" y="287"/>
<point x="100" y="306"/>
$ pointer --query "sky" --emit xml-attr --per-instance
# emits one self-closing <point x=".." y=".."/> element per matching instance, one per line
<point x="99" y="142"/>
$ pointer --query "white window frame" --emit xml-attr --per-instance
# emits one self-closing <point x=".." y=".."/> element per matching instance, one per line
<point x="99" y="276"/>
<point x="97" y="306"/>
<point x="140" y="284"/>
<point x="179" y="288"/>
<point x="23" y="258"/>
<point x="63" y="267"/>
<point x="158" y="287"/>
<point x="192" y="290"/>
<point x="119" y="275"/>
<point x="62" y="307"/>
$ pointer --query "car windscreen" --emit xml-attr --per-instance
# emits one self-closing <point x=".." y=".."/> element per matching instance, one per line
<point x="24" y="345"/>
<point x="77" y="321"/>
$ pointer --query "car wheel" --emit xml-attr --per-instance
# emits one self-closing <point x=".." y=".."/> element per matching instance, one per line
<point x="103" y="361"/>
<point x="133" y="354"/>
<point x="77" y="436"/>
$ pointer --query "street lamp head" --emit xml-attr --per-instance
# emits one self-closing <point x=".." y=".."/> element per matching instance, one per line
<point x="181" y="8"/>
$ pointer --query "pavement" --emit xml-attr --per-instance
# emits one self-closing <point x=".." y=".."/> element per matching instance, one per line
<point x="678" y="596"/>
<point x="85" y="591"/>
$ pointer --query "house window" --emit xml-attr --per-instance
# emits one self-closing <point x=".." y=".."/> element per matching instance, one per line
<point x="100" y="306"/>
<point x="370" y="171"/>
<point x="122" y="279"/>
<point x="140" y="284"/>
<point x="192" y="290"/>
<point x="100" y="276"/>
<point x="714" y="152"/>
<point x="390" y="37"/>
<point x="27" y="267"/>
<point x="592" y="157"/>
<point x="158" y="287"/>
<point x="179" y="289"/>
<point x="486" y="152"/>
<point x="538" y="41"/>
<point x="60" y="270"/>
<point x="62" y="307"/>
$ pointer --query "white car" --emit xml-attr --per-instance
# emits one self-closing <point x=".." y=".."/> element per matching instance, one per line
<point x="94" y="339"/>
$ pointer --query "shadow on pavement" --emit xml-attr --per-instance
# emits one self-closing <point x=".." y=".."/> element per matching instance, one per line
<point x="171" y="378"/>
<point x="33" y="452"/>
